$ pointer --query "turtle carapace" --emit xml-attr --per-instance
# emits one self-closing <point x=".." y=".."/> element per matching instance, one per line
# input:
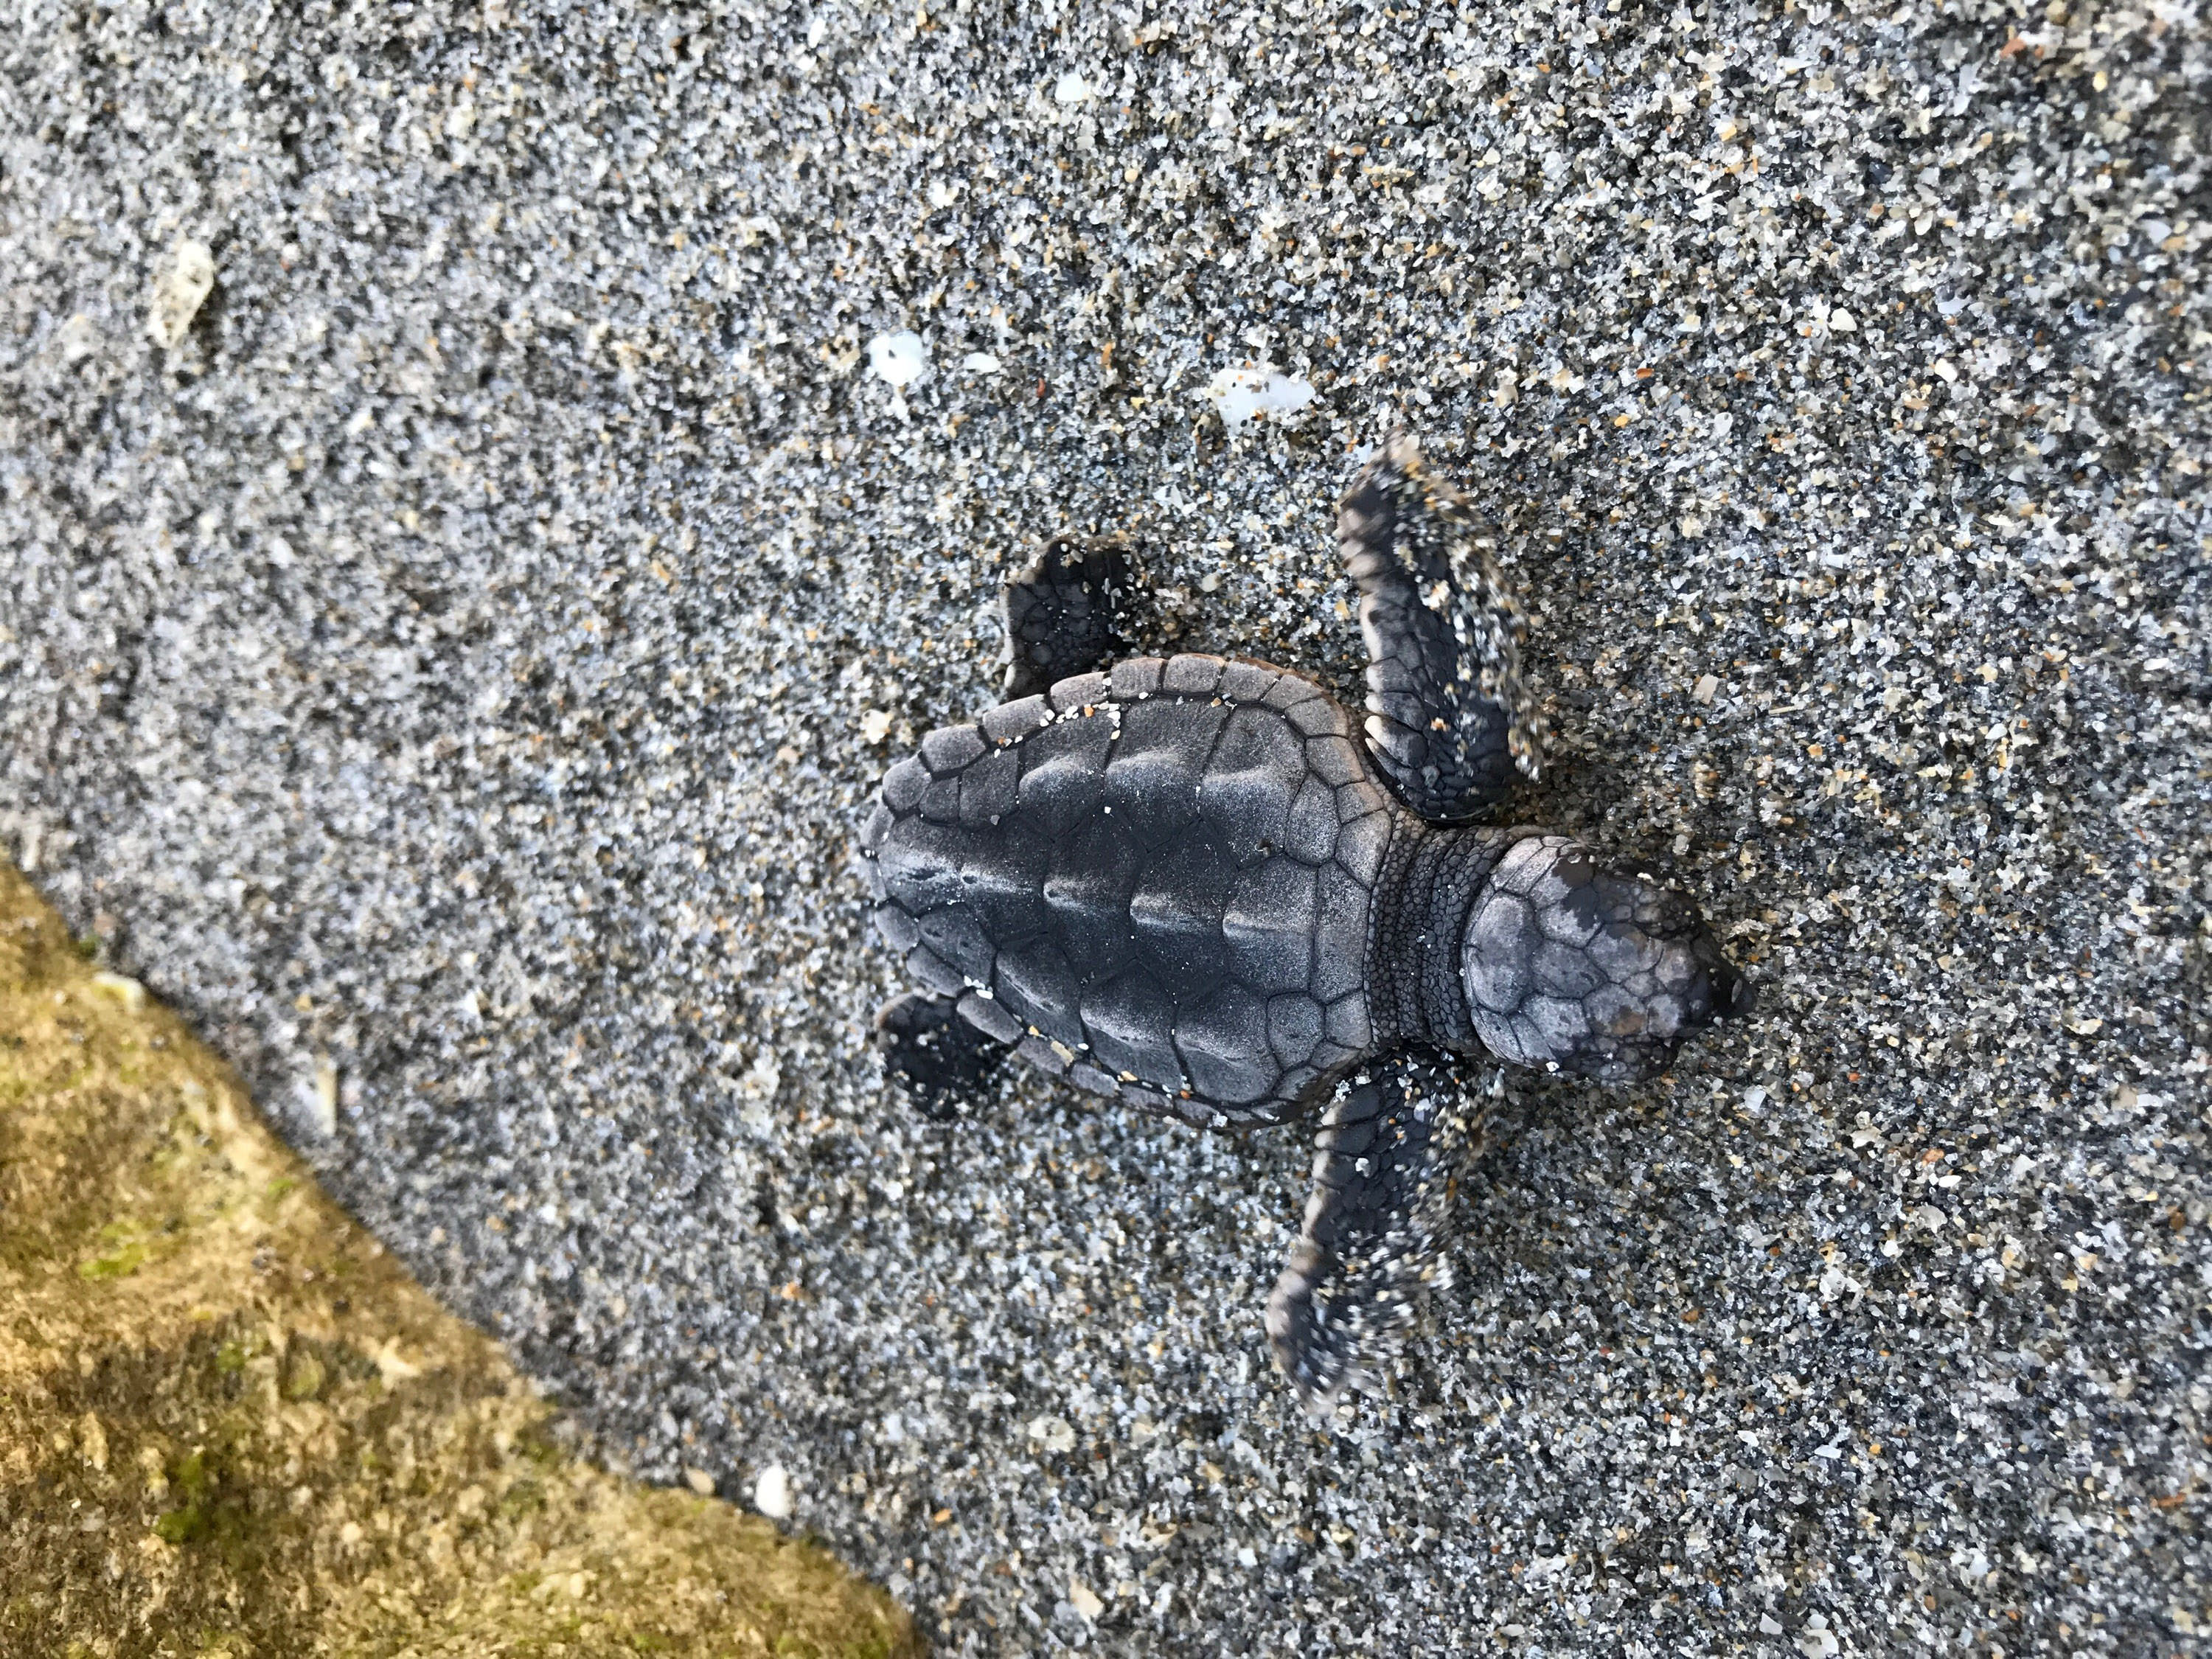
<point x="1197" y="884"/>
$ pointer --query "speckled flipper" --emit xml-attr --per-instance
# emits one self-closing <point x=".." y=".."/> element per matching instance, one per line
<point x="1059" y="613"/>
<point x="1449" y="718"/>
<point x="937" y="1057"/>
<point x="1396" y="1134"/>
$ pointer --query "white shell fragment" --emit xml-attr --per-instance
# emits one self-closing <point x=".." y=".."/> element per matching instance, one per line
<point x="762" y="1077"/>
<point x="772" y="1494"/>
<point x="980" y="363"/>
<point x="1053" y="1434"/>
<point x="1071" y="88"/>
<point x="181" y="286"/>
<point x="77" y="339"/>
<point x="125" y="989"/>
<point x="898" y="360"/>
<point x="321" y="1098"/>
<point x="1242" y="394"/>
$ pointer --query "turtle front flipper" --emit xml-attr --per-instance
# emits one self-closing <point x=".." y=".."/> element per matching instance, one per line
<point x="1448" y="720"/>
<point x="934" y="1054"/>
<point x="1393" y="1140"/>
<point x="1059" y="613"/>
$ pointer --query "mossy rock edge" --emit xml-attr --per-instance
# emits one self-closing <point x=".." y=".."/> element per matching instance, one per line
<point x="231" y="1425"/>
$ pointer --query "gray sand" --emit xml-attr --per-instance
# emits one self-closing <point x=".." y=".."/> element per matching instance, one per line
<point x="452" y="663"/>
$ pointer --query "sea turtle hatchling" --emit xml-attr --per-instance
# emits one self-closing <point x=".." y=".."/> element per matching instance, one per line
<point x="1186" y="883"/>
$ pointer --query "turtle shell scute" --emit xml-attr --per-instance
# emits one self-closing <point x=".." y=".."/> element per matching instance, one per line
<point x="1155" y="881"/>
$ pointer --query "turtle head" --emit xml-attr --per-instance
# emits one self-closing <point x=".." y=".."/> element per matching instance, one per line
<point x="1570" y="966"/>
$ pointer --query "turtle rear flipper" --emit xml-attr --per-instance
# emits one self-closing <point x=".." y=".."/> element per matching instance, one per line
<point x="1394" y="1137"/>
<point x="1059" y="613"/>
<point x="934" y="1055"/>
<point x="1448" y="720"/>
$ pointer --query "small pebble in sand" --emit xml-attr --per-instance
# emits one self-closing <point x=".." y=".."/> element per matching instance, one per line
<point x="772" y="1494"/>
<point x="898" y="360"/>
<point x="181" y="286"/>
<point x="1242" y="394"/>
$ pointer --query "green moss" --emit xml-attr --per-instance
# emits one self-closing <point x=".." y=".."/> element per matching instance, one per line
<point x="188" y="1523"/>
<point x="525" y="1497"/>
<point x="183" y="1526"/>
<point x="216" y="1510"/>
<point x="305" y="1379"/>
<point x="118" y="1263"/>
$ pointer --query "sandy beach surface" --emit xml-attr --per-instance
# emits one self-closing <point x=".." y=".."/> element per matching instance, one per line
<point x="471" y="537"/>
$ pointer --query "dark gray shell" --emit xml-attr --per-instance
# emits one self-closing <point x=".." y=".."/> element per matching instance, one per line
<point x="1157" y="882"/>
